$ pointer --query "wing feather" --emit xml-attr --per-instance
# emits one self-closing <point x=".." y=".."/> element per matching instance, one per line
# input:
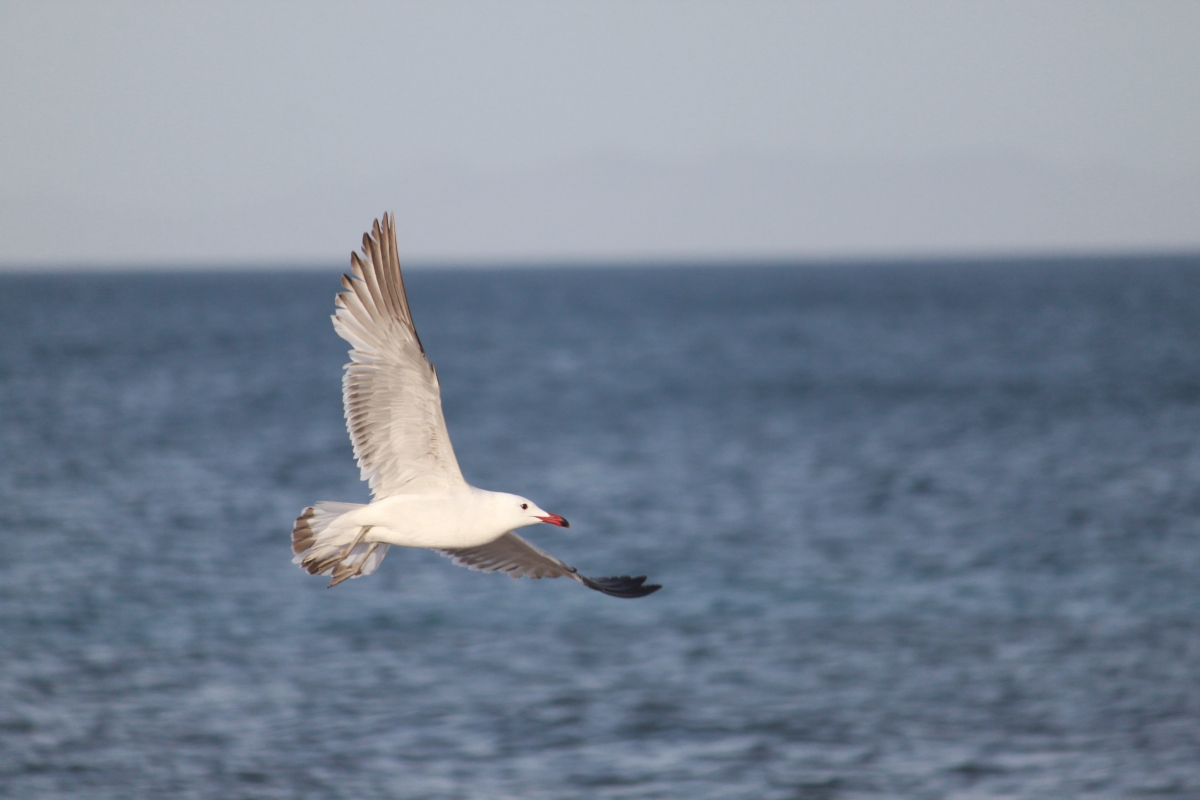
<point x="393" y="293"/>
<point x="519" y="559"/>
<point x="390" y="390"/>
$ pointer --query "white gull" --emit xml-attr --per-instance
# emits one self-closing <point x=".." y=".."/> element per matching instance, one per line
<point x="394" y="415"/>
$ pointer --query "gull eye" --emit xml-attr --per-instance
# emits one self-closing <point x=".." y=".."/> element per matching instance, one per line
<point x="524" y="506"/>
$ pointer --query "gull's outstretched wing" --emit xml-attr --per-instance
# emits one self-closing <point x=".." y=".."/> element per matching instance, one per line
<point x="390" y="390"/>
<point x="512" y="554"/>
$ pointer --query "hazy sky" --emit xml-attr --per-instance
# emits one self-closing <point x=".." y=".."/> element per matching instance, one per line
<point x="243" y="132"/>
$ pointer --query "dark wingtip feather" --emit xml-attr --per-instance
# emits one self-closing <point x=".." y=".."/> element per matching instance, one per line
<point x="622" y="586"/>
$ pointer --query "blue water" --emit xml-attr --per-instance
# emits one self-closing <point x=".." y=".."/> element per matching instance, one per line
<point x="925" y="531"/>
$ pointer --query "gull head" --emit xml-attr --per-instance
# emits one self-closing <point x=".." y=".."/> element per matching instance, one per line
<point x="521" y="511"/>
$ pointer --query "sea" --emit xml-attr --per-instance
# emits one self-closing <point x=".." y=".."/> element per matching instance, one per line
<point x="924" y="530"/>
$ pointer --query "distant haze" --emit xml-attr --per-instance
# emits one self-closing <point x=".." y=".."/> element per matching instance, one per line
<point x="232" y="133"/>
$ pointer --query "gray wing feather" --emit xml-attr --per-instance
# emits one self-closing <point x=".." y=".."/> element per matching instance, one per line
<point x="517" y="557"/>
<point x="512" y="555"/>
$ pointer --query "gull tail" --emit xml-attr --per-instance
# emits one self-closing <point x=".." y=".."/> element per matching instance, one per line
<point x="325" y="547"/>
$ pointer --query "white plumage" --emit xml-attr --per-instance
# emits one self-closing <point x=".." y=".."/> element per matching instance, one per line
<point x="394" y="415"/>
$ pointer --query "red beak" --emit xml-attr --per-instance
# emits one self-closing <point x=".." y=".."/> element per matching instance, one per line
<point x="555" y="519"/>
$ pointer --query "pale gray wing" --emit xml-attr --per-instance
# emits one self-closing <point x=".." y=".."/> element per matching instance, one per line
<point x="517" y="557"/>
<point x="390" y="390"/>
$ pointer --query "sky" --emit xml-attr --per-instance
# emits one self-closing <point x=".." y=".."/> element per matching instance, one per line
<point x="161" y="134"/>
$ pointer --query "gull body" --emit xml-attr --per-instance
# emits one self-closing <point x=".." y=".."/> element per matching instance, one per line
<point x="393" y="407"/>
<point x="465" y="517"/>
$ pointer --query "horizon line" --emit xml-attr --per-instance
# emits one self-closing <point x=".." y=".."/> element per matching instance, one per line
<point x="421" y="264"/>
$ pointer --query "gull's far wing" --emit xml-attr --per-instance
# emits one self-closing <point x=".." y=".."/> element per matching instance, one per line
<point x="512" y="554"/>
<point x="390" y="390"/>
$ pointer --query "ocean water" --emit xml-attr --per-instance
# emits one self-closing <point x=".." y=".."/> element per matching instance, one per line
<point x="925" y="531"/>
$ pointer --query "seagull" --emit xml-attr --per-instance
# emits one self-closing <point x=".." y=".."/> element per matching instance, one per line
<point x="393" y="410"/>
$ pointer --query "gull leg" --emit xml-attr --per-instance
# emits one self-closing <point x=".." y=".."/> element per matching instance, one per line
<point x="363" y="563"/>
<point x="315" y="567"/>
<point x="343" y="570"/>
<point x="345" y="552"/>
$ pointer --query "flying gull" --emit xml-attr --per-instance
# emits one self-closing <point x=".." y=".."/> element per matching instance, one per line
<point x="394" y="415"/>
